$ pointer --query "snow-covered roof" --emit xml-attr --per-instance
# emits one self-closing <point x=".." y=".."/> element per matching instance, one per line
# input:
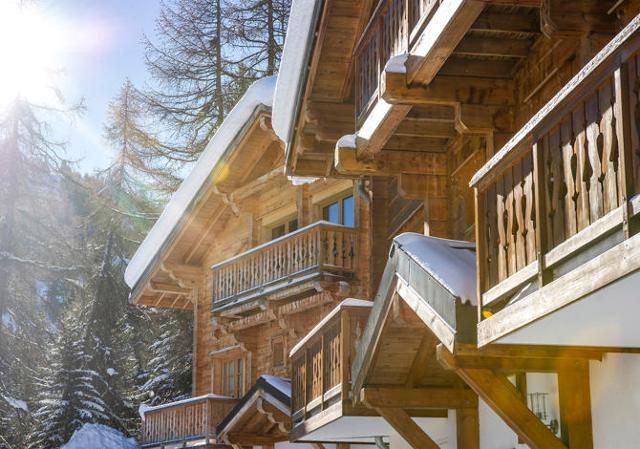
<point x="349" y="302"/>
<point x="99" y="436"/>
<point x="450" y="262"/>
<point x="259" y="94"/>
<point x="279" y="383"/>
<point x="293" y="66"/>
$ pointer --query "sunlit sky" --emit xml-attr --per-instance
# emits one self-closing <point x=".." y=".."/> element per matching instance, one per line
<point x="106" y="48"/>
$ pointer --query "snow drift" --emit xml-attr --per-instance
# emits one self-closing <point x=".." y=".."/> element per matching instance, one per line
<point x="97" y="436"/>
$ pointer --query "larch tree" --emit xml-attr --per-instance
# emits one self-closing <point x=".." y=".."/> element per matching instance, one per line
<point x="205" y="55"/>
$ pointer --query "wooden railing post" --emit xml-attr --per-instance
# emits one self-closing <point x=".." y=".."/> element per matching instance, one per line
<point x="623" y="124"/>
<point x="480" y="198"/>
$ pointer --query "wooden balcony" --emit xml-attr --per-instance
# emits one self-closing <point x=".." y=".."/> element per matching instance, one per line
<point x="319" y="250"/>
<point x="556" y="214"/>
<point x="190" y="421"/>
<point x="321" y="365"/>
<point x="393" y="30"/>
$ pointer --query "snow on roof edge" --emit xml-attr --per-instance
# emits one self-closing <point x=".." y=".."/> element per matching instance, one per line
<point x="260" y="93"/>
<point x="295" y="56"/>
<point x="450" y="262"/>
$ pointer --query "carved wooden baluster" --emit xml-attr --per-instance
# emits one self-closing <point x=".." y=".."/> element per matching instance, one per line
<point x="519" y="204"/>
<point x="511" y="225"/>
<point x="569" y="164"/>
<point x="558" y="188"/>
<point x="594" y="152"/>
<point x="529" y="209"/>
<point x="490" y="236"/>
<point x="610" y="159"/>
<point x="502" y="229"/>
<point x="583" y="171"/>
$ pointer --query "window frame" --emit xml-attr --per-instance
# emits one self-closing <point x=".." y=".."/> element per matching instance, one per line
<point x="339" y="199"/>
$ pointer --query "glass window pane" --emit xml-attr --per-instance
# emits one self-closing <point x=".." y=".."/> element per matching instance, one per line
<point x="293" y="225"/>
<point x="331" y="213"/>
<point x="348" y="218"/>
<point x="278" y="231"/>
<point x="240" y="375"/>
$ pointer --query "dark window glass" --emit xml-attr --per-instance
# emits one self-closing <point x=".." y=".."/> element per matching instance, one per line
<point x="331" y="213"/>
<point x="278" y="231"/>
<point x="293" y="225"/>
<point x="348" y="218"/>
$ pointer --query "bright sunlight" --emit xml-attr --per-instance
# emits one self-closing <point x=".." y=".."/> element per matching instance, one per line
<point x="30" y="46"/>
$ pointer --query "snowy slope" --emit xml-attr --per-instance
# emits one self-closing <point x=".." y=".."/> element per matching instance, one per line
<point x="259" y="94"/>
<point x="97" y="436"/>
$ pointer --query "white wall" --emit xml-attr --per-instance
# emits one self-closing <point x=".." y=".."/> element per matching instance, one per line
<point x="615" y="401"/>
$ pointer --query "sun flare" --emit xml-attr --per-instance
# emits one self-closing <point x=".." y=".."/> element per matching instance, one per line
<point x="30" y="47"/>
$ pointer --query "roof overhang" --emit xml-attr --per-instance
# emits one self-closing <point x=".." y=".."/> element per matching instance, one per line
<point x="411" y="291"/>
<point x="263" y="415"/>
<point x="211" y="168"/>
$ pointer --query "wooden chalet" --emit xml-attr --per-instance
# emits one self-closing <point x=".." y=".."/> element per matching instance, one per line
<point x="259" y="258"/>
<point x="470" y="166"/>
<point x="508" y="123"/>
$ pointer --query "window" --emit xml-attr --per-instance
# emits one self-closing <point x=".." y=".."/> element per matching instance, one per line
<point x="233" y="378"/>
<point x="284" y="228"/>
<point x="340" y="212"/>
<point x="278" y="351"/>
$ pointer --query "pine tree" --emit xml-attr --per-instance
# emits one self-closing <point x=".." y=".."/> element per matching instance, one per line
<point x="68" y="397"/>
<point x="32" y="254"/>
<point x="167" y="376"/>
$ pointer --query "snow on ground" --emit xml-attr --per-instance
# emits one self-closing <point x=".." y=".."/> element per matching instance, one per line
<point x="16" y="403"/>
<point x="97" y="436"/>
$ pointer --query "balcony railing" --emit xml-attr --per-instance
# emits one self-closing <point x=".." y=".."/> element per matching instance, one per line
<point x="321" y="362"/>
<point x="184" y="421"/>
<point x="561" y="191"/>
<point x="392" y="30"/>
<point x="321" y="248"/>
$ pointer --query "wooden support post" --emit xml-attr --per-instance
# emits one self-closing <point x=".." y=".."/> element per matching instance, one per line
<point x="521" y="386"/>
<point x="575" y="407"/>
<point x="501" y="395"/>
<point x="406" y="428"/>
<point x="468" y="428"/>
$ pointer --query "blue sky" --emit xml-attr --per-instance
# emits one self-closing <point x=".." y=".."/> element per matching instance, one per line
<point x="97" y="70"/>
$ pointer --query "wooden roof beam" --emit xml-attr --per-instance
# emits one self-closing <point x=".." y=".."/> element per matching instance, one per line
<point x="388" y="163"/>
<point x="441" y="36"/>
<point x="418" y="398"/>
<point x="447" y="90"/>
<point x="163" y="287"/>
<point x="494" y="46"/>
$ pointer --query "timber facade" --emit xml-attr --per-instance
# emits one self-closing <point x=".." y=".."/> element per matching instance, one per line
<point x="425" y="236"/>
